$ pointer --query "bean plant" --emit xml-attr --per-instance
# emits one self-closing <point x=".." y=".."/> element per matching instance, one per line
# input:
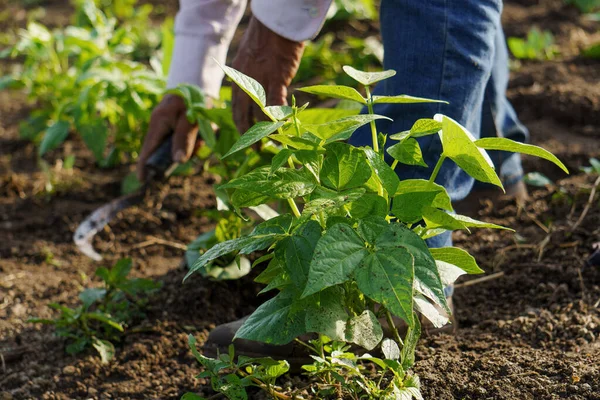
<point x="351" y="252"/>
<point x="83" y="78"/>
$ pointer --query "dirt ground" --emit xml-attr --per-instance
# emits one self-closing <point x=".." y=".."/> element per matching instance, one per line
<point x="531" y="331"/>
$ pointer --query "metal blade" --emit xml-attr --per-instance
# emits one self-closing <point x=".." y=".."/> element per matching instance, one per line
<point x="97" y="220"/>
<point x="160" y="166"/>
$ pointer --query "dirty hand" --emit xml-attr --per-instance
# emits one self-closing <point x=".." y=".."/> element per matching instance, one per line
<point x="168" y="118"/>
<point x="270" y="59"/>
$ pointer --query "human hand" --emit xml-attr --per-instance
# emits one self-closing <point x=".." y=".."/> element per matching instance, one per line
<point x="168" y="118"/>
<point x="270" y="59"/>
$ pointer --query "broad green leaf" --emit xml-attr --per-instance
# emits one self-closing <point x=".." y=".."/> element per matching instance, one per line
<point x="344" y="167"/>
<point x="246" y="198"/>
<point x="473" y="223"/>
<point x="458" y="257"/>
<point x="280" y="159"/>
<point x="441" y="200"/>
<point x="274" y="268"/>
<point x="411" y="340"/>
<point x="254" y="242"/>
<point x="387" y="276"/>
<point x="427" y="278"/>
<point x="120" y="270"/>
<point x="298" y="251"/>
<point x="295" y="142"/>
<point x="94" y="136"/>
<point x="54" y="136"/>
<point x="247" y="84"/>
<point x="423" y="127"/>
<point x="385" y="173"/>
<point x="311" y="160"/>
<point x="280" y="113"/>
<point x="338" y="253"/>
<point x="369" y="204"/>
<point x="407" y="152"/>
<point x="275" y="322"/>
<point x="370" y="227"/>
<point x="317" y="116"/>
<point x="253" y="135"/>
<point x="341" y="129"/>
<point x="283" y="184"/>
<point x="449" y="273"/>
<point x="517" y="147"/>
<point x="364" y="330"/>
<point x="537" y="179"/>
<point x="338" y="92"/>
<point x="105" y="349"/>
<point x="459" y="146"/>
<point x="332" y="203"/>
<point x="435" y="218"/>
<point x="192" y="396"/>
<point x="368" y="78"/>
<point x="404" y="99"/>
<point x="430" y="311"/>
<point x="90" y="295"/>
<point x="408" y="207"/>
<point x="328" y="316"/>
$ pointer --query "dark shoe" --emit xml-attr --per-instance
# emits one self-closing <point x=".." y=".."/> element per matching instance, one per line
<point x="222" y="336"/>
<point x="470" y="205"/>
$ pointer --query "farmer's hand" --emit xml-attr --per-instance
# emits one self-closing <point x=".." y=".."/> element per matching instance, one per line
<point x="270" y="59"/>
<point x="168" y="118"/>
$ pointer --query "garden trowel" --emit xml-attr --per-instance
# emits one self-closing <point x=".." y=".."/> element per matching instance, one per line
<point x="159" y="166"/>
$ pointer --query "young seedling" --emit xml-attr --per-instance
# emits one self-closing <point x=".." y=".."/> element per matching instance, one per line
<point x="104" y="313"/>
<point x="539" y="45"/>
<point x="352" y="250"/>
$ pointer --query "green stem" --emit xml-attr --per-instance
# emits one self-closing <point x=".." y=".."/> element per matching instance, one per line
<point x="394" y="164"/>
<point x="436" y="170"/>
<point x="372" y="123"/>
<point x="390" y="322"/>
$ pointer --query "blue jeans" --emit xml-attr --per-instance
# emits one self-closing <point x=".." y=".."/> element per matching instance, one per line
<point x="452" y="50"/>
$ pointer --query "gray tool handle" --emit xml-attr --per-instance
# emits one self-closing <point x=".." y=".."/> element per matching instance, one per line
<point x="161" y="160"/>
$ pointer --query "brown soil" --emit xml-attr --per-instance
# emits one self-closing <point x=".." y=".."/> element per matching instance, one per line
<point x="530" y="333"/>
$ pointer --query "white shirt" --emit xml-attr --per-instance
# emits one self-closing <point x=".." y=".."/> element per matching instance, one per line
<point x="204" y="29"/>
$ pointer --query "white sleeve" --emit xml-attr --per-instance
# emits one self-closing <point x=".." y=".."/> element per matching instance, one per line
<point x="296" y="20"/>
<point x="203" y="31"/>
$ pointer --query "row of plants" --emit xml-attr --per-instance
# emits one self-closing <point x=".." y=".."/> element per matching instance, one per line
<point x="94" y="77"/>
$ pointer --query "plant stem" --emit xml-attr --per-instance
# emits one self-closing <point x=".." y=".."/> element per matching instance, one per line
<point x="390" y="322"/>
<point x="291" y="202"/>
<point x="437" y="168"/>
<point x="394" y="164"/>
<point x="372" y="123"/>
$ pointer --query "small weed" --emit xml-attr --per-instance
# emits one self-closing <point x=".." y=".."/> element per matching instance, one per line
<point x="104" y="312"/>
<point x="539" y="45"/>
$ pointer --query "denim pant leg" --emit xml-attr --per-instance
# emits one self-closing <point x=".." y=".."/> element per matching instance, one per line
<point x="441" y="49"/>
<point x="499" y="118"/>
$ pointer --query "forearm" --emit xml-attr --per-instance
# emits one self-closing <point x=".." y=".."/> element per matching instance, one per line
<point x="203" y="31"/>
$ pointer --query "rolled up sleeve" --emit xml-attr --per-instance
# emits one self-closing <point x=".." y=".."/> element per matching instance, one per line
<point x="296" y="20"/>
<point x="203" y="31"/>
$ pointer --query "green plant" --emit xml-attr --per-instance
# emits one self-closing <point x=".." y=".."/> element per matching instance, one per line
<point x="231" y="375"/>
<point x="356" y="9"/>
<point x="104" y="312"/>
<point x="539" y="45"/>
<point x="356" y="253"/>
<point x="585" y="6"/>
<point x="82" y="78"/>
